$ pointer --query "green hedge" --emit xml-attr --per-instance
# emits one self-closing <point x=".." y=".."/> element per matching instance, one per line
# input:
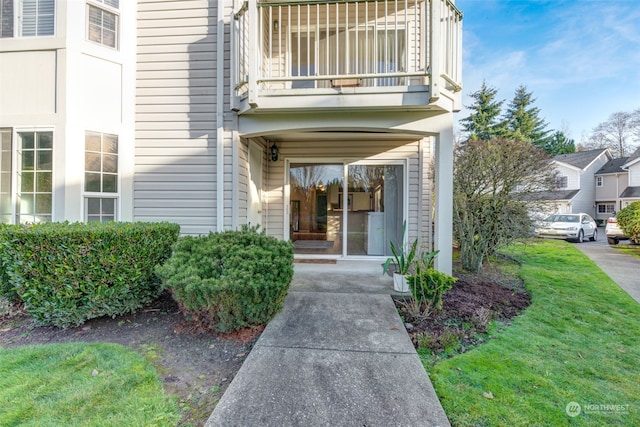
<point x="629" y="221"/>
<point x="231" y="280"/>
<point x="68" y="273"/>
<point x="6" y="290"/>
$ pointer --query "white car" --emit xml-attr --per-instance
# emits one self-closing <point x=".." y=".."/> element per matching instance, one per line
<point x="613" y="232"/>
<point x="575" y="227"/>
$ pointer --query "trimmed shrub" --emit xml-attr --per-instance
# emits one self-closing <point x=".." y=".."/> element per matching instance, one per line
<point x="629" y="221"/>
<point x="6" y="290"/>
<point x="230" y="280"/>
<point x="68" y="273"/>
<point x="427" y="287"/>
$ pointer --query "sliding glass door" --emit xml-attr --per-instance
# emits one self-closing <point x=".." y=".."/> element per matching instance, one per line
<point x="315" y="214"/>
<point x="359" y="219"/>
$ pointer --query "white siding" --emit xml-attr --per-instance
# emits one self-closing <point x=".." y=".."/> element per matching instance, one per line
<point x="175" y="155"/>
<point x="634" y="175"/>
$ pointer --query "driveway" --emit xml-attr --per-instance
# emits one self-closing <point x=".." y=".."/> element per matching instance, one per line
<point x="621" y="268"/>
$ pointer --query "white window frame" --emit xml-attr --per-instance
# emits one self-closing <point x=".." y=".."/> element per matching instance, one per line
<point x="17" y="170"/>
<point x="86" y="195"/>
<point x="607" y="208"/>
<point x="599" y="181"/>
<point x="563" y="181"/>
<point x="346" y="162"/>
<point x="10" y="211"/>
<point x="104" y="7"/>
<point x="18" y="20"/>
<point x="101" y="215"/>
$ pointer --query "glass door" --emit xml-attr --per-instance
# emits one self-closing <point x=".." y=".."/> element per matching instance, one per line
<point x="375" y="208"/>
<point x="316" y="213"/>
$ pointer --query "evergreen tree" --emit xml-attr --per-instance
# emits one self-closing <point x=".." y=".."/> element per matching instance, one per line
<point x="523" y="122"/>
<point x="560" y="144"/>
<point x="483" y="123"/>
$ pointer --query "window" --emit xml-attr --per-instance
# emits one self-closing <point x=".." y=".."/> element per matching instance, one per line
<point x="37" y="18"/>
<point x="599" y="181"/>
<point x="100" y="209"/>
<point x="562" y="182"/>
<point x="606" y="208"/>
<point x="103" y="23"/>
<point x="35" y="183"/>
<point x="101" y="176"/>
<point x="6" y="18"/>
<point x="5" y="175"/>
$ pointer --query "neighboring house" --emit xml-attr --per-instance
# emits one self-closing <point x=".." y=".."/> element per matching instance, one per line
<point x="575" y="187"/>
<point x="610" y="181"/>
<point x="318" y="121"/>
<point x="632" y="192"/>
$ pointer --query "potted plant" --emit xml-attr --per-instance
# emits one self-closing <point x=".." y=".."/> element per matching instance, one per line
<point x="403" y="257"/>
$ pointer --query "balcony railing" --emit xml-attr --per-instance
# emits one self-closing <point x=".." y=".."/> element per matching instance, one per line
<point x="318" y="44"/>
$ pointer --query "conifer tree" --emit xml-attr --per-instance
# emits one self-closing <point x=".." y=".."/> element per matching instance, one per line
<point x="483" y="123"/>
<point x="522" y="120"/>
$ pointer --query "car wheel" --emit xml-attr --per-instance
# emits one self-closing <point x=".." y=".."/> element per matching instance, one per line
<point x="612" y="241"/>
<point x="580" y="238"/>
<point x="595" y="236"/>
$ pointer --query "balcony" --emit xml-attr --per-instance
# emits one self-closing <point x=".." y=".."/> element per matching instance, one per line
<point x="333" y="54"/>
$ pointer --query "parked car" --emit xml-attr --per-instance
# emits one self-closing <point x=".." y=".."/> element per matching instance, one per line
<point x="613" y="232"/>
<point x="575" y="227"/>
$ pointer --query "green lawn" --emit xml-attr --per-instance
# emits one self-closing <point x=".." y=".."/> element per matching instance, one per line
<point x="629" y="249"/>
<point x="81" y="384"/>
<point x="579" y="341"/>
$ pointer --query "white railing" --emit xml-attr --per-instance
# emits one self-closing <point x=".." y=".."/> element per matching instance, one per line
<point x="344" y="43"/>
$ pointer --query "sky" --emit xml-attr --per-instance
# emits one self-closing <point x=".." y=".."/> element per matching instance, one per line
<point x="579" y="58"/>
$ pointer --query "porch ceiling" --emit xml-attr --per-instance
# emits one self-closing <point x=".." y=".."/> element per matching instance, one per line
<point x="320" y="136"/>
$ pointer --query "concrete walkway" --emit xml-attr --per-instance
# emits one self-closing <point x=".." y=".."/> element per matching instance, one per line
<point x="333" y="359"/>
<point x="621" y="268"/>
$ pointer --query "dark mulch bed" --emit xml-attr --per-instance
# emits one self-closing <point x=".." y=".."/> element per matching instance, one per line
<point x="467" y="311"/>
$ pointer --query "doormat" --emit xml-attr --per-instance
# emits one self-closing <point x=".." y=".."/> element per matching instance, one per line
<point x="314" y="261"/>
<point x="313" y="244"/>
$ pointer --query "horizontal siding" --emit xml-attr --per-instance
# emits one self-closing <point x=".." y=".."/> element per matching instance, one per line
<point x="373" y="150"/>
<point x="175" y="154"/>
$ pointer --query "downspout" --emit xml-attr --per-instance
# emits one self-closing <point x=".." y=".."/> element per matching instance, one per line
<point x="220" y="117"/>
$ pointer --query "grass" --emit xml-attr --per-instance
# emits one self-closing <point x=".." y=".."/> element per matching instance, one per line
<point x="577" y="342"/>
<point x="81" y="384"/>
<point x="633" y="250"/>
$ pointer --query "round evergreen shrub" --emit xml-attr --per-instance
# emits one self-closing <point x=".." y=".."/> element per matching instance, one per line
<point x="230" y="280"/>
<point x="629" y="221"/>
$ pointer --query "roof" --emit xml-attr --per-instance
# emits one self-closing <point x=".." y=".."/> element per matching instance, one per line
<point x="553" y="195"/>
<point x="631" y="192"/>
<point x="581" y="159"/>
<point x="633" y="158"/>
<point x="613" y="166"/>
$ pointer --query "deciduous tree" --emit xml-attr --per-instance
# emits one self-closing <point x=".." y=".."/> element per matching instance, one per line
<point x="620" y="133"/>
<point x="493" y="184"/>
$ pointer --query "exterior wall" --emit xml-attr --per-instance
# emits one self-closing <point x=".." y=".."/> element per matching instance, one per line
<point x="419" y="208"/>
<point x="585" y="201"/>
<point x="572" y="174"/>
<point x="179" y="120"/>
<point x="609" y="193"/>
<point x="634" y="175"/>
<point x="68" y="85"/>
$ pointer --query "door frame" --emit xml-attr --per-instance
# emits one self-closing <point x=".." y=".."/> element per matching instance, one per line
<point x="346" y="162"/>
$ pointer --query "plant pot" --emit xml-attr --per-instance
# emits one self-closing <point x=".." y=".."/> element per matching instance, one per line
<point x="400" y="283"/>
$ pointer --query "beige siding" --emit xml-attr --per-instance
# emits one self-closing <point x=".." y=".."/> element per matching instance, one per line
<point x="418" y="184"/>
<point x="175" y="154"/>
